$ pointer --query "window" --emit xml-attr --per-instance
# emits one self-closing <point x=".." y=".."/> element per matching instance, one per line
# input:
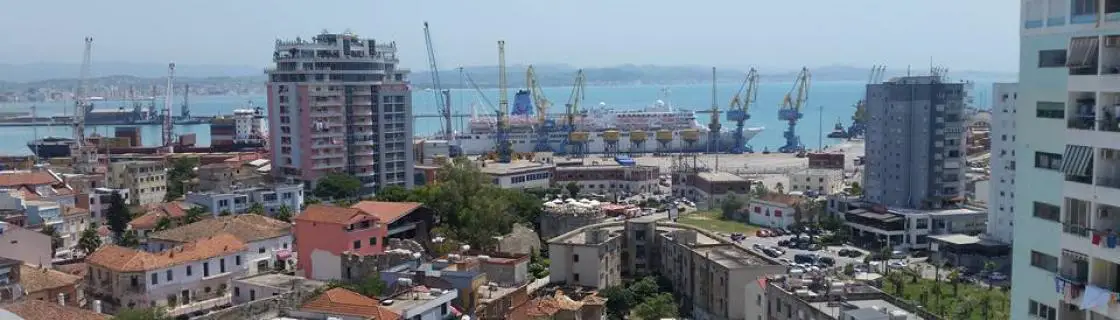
<point x="1051" y="110"/>
<point x="236" y="291"/>
<point x="1044" y="261"/>
<point x="188" y="270"/>
<point x="575" y="276"/>
<point x="443" y="309"/>
<point x="357" y="244"/>
<point x="575" y="258"/>
<point x="1083" y="8"/>
<point x="1052" y="58"/>
<point x="1047" y="211"/>
<point x="205" y="269"/>
<point x="1046" y="160"/>
<point x="155" y="278"/>
<point x="170" y="276"/>
<point x="260" y="250"/>
<point x="373" y="241"/>
<point x="1041" y="310"/>
<point x="237" y="260"/>
<point x="222" y="265"/>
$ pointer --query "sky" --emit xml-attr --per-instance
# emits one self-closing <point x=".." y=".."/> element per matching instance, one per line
<point x="979" y="35"/>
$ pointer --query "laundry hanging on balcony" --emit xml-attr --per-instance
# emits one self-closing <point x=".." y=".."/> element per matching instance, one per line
<point x="1077" y="161"/>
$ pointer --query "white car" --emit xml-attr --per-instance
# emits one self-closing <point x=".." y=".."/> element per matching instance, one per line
<point x="996" y="276"/>
<point x="897" y="264"/>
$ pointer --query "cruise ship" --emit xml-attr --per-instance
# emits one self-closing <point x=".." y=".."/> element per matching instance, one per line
<point x="656" y="128"/>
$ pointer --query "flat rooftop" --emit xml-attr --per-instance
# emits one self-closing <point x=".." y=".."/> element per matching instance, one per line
<point x="938" y="212"/>
<point x="417" y="296"/>
<point x="487" y="293"/>
<point x="581" y="237"/>
<point x="731" y="256"/>
<point x="282" y="281"/>
<point x="498" y="168"/>
<point x="834" y="308"/>
<point x="819" y="172"/>
<point x="720" y="177"/>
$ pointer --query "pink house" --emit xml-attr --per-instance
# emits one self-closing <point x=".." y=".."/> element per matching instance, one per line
<point x="323" y="233"/>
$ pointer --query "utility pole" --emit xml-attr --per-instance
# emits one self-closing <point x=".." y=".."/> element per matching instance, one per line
<point x="820" y="130"/>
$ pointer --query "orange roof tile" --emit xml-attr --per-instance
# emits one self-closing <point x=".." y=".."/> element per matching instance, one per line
<point x="123" y="259"/>
<point x="147" y="221"/>
<point x="77" y="269"/>
<point x="36" y="279"/>
<point x="150" y="218"/>
<point x="328" y="214"/>
<point x="26" y="178"/>
<point x="43" y="310"/>
<point x="386" y="212"/>
<point x="69" y="211"/>
<point x="345" y="302"/>
<point x="785" y="199"/>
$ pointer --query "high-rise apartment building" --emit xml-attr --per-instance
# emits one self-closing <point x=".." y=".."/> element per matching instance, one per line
<point x="1066" y="254"/>
<point x="1001" y="197"/>
<point x="339" y="103"/>
<point x="915" y="142"/>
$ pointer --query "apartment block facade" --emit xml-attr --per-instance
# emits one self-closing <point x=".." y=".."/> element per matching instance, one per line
<point x="340" y="103"/>
<point x="915" y="141"/>
<point x="1001" y="196"/>
<point x="240" y="200"/>
<point x="146" y="180"/>
<point x="1069" y="88"/>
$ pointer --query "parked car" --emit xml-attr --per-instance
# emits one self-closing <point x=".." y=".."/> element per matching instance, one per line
<point x="997" y="276"/>
<point x="827" y="261"/>
<point x="897" y="264"/>
<point x="813" y="247"/>
<point x="855" y="253"/>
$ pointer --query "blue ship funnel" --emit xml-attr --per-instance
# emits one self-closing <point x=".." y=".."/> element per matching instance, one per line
<point x="522" y="104"/>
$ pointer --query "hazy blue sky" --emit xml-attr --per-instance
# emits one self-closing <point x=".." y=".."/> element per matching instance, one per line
<point x="961" y="34"/>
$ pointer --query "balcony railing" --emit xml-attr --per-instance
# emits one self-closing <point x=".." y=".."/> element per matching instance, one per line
<point x="1111" y="182"/>
<point x="1079" y="179"/>
<point x="1077" y="230"/>
<point x="1082" y="122"/>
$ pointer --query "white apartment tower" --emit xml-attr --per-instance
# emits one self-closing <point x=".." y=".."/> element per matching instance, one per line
<point x="1067" y="189"/>
<point x="1001" y="201"/>
<point x="339" y="103"/>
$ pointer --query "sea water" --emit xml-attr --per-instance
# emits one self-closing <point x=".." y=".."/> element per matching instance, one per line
<point x="828" y="103"/>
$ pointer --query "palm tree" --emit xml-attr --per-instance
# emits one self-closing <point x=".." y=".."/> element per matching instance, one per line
<point x="954" y="279"/>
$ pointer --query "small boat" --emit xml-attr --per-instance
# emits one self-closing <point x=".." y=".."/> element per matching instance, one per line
<point x="838" y="131"/>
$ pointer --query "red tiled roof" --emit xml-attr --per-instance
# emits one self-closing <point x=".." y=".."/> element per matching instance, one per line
<point x="154" y="212"/>
<point x="123" y="259"/>
<point x="785" y="199"/>
<point x="26" y="178"/>
<point x="36" y="279"/>
<point x="328" y="214"/>
<point x="43" y="310"/>
<point x="386" y="212"/>
<point x="345" y="302"/>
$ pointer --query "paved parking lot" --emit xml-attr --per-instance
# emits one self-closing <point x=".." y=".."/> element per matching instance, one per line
<point x="832" y="251"/>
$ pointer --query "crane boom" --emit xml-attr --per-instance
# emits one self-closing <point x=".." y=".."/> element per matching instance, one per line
<point x="443" y="97"/>
<point x="790" y="111"/>
<point x="738" y="109"/>
<point x="167" y="106"/>
<point x="543" y="126"/>
<point x="505" y="149"/>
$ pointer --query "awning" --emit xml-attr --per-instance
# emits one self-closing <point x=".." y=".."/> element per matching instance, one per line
<point x="283" y="254"/>
<point x="1082" y="51"/>
<point x="1077" y="161"/>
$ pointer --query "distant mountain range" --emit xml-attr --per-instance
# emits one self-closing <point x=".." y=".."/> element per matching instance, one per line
<point x="55" y="75"/>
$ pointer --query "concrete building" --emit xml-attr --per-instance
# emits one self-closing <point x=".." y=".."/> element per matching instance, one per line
<point x="226" y="175"/>
<point x="1001" y="192"/>
<point x="1068" y="91"/>
<point x="709" y="189"/>
<point x="185" y="279"/>
<point x="75" y="220"/>
<point x="915" y="142"/>
<point x="146" y="180"/>
<point x="714" y="276"/>
<point x="38" y="185"/>
<point x="609" y="178"/>
<point x="99" y="200"/>
<point x="817" y="181"/>
<point x="29" y="246"/>
<point x="326" y="232"/>
<point x="10" y="287"/>
<point x="873" y="226"/>
<point x="811" y="296"/>
<point x="519" y="174"/>
<point x="265" y="285"/>
<point x="340" y="103"/>
<point x="773" y="210"/>
<point x="240" y="200"/>
<point x="269" y="241"/>
<point x="41" y="283"/>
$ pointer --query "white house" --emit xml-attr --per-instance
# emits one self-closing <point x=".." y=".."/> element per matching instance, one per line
<point x="773" y="210"/>
<point x="267" y="241"/>
<point x="821" y="181"/>
<point x="239" y="200"/>
<point x="184" y="279"/>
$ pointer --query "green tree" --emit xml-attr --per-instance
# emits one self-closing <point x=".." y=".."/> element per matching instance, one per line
<point x="181" y="171"/>
<point x="393" y="194"/>
<point x="284" y="214"/>
<point x="256" y="208"/>
<point x="337" y="186"/>
<point x="118" y="216"/>
<point x="195" y="214"/>
<point x="90" y="241"/>
<point x="469" y="206"/>
<point x="142" y="314"/>
<point x="660" y="306"/>
<point x="856" y="190"/>
<point x="807" y="211"/>
<point x="729" y="207"/>
<point x="619" y="301"/>
<point x="224" y="213"/>
<point x="955" y="279"/>
<point x="645" y="288"/>
<point x="526" y="207"/>
<point x="56" y="240"/>
<point x="371" y="286"/>
<point x="538" y="265"/>
<point x="573" y="189"/>
<point x="780" y="188"/>
<point x="163" y="223"/>
<point x="129" y="239"/>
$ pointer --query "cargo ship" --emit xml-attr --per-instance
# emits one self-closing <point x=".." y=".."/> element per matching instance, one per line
<point x="659" y="127"/>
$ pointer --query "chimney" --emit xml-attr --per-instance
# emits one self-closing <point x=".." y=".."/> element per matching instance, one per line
<point x="62" y="299"/>
<point x="97" y="306"/>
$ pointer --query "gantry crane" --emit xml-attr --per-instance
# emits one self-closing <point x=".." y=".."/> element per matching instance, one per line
<point x="574" y="138"/>
<point x="167" y="138"/>
<point x="714" y="127"/>
<point x="544" y="125"/>
<point x="791" y="111"/>
<point x="738" y="110"/>
<point x="859" y="123"/>
<point x="443" y="97"/>
<point x="504" y="147"/>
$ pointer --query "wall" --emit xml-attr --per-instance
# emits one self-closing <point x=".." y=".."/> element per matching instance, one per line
<point x="21" y="244"/>
<point x="820" y="181"/>
<point x="769" y="214"/>
<point x="1001" y="201"/>
<point x="333" y="238"/>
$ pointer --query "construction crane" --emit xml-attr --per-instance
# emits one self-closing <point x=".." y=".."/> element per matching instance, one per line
<point x="185" y="111"/>
<point x="859" y="123"/>
<point x="714" y="127"/>
<point x="573" y="138"/>
<point x="738" y="110"/>
<point x="504" y="146"/>
<point x="544" y="125"/>
<point x="85" y="156"/>
<point x="443" y="97"/>
<point x="791" y="112"/>
<point x="167" y="143"/>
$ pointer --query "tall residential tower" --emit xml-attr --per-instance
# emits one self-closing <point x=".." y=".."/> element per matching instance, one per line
<point x="339" y="103"/>
<point x="1001" y="197"/>
<point x="915" y="142"/>
<point x="1066" y="255"/>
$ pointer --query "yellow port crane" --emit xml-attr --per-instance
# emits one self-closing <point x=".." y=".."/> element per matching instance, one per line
<point x="543" y="126"/>
<point x="738" y="110"/>
<point x="576" y="139"/>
